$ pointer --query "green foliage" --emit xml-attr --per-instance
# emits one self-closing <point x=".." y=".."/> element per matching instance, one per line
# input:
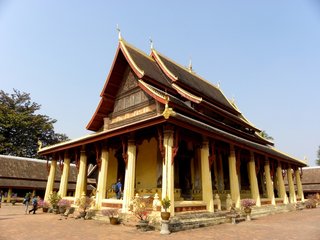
<point x="318" y="157"/>
<point x="165" y="202"/>
<point x="265" y="135"/>
<point x="54" y="198"/>
<point x="21" y="127"/>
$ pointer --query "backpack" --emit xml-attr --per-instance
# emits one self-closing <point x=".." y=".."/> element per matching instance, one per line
<point x="115" y="187"/>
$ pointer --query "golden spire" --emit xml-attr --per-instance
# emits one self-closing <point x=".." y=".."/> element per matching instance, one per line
<point x="39" y="145"/>
<point x="233" y="100"/>
<point x="151" y="43"/>
<point x="190" y="65"/>
<point x="119" y="33"/>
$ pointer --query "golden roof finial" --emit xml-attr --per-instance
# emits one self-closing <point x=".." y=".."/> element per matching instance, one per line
<point x="151" y="43"/>
<point x="233" y="100"/>
<point x="218" y="84"/>
<point x="119" y="33"/>
<point x="190" y="65"/>
<point x="39" y="145"/>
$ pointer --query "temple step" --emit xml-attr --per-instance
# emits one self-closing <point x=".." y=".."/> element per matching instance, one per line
<point x="186" y="221"/>
<point x="266" y="210"/>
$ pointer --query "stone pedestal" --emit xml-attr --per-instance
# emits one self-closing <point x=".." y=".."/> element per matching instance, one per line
<point x="165" y="227"/>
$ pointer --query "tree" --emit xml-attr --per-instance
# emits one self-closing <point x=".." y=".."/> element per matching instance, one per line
<point x="318" y="157"/>
<point x="265" y="135"/>
<point x="21" y="128"/>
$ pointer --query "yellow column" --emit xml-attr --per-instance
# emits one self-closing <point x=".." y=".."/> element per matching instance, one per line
<point x="168" y="170"/>
<point x="299" y="185"/>
<point x="102" y="180"/>
<point x="270" y="191"/>
<point x="292" y="193"/>
<point x="65" y="175"/>
<point x="234" y="182"/>
<point x="207" y="195"/>
<point x="50" y="182"/>
<point x="128" y="191"/>
<point x="253" y="180"/>
<point x="281" y="187"/>
<point x="81" y="186"/>
<point x="9" y="195"/>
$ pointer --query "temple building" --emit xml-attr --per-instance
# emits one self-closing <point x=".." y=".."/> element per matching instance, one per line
<point x="19" y="175"/>
<point x="163" y="130"/>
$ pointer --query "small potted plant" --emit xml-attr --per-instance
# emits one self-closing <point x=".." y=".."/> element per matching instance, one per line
<point x="83" y="203"/>
<point x="113" y="215"/>
<point x="54" y="198"/>
<point x="63" y="204"/>
<point x="247" y="205"/>
<point x="44" y="205"/>
<point x="165" y="203"/>
<point x="139" y="209"/>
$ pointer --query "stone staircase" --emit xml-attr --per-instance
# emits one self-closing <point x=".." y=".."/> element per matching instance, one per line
<point x="185" y="221"/>
<point x="266" y="210"/>
<point x="197" y="219"/>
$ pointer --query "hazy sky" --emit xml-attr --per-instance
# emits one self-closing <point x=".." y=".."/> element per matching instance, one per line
<point x="265" y="54"/>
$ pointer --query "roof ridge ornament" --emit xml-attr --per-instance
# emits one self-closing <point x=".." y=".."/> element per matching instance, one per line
<point x="167" y="110"/>
<point x="119" y="33"/>
<point x="39" y="145"/>
<point x="190" y="65"/>
<point x="151" y="43"/>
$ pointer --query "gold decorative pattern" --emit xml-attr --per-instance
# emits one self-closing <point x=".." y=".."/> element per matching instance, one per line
<point x="153" y="92"/>
<point x="163" y="66"/>
<point x="168" y="111"/>
<point x="187" y="94"/>
<point x="131" y="62"/>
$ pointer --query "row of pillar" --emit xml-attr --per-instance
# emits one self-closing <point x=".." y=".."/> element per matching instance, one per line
<point x="168" y="177"/>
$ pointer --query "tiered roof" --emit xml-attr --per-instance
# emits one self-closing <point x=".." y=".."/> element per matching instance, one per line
<point x="196" y="102"/>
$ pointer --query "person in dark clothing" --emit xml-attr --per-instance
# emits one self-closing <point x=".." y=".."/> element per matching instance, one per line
<point x="119" y="189"/>
<point x="34" y="204"/>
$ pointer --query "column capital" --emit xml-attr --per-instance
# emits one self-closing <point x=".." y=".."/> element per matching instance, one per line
<point x="83" y="149"/>
<point x="131" y="141"/>
<point x="232" y="149"/>
<point x="205" y="144"/>
<point x="252" y="156"/>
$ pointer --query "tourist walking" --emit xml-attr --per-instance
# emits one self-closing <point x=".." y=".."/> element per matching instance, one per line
<point x="34" y="205"/>
<point x="26" y="201"/>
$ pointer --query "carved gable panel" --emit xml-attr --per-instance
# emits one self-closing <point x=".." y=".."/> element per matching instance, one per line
<point x="129" y="83"/>
<point x="129" y="95"/>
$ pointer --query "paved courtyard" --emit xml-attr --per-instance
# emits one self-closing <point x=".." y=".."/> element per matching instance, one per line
<point x="15" y="225"/>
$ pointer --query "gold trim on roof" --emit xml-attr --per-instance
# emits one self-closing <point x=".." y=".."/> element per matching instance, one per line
<point x="277" y="150"/>
<point x="187" y="94"/>
<point x="134" y="65"/>
<point x="163" y="66"/>
<point x="165" y="98"/>
<point x="242" y="117"/>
